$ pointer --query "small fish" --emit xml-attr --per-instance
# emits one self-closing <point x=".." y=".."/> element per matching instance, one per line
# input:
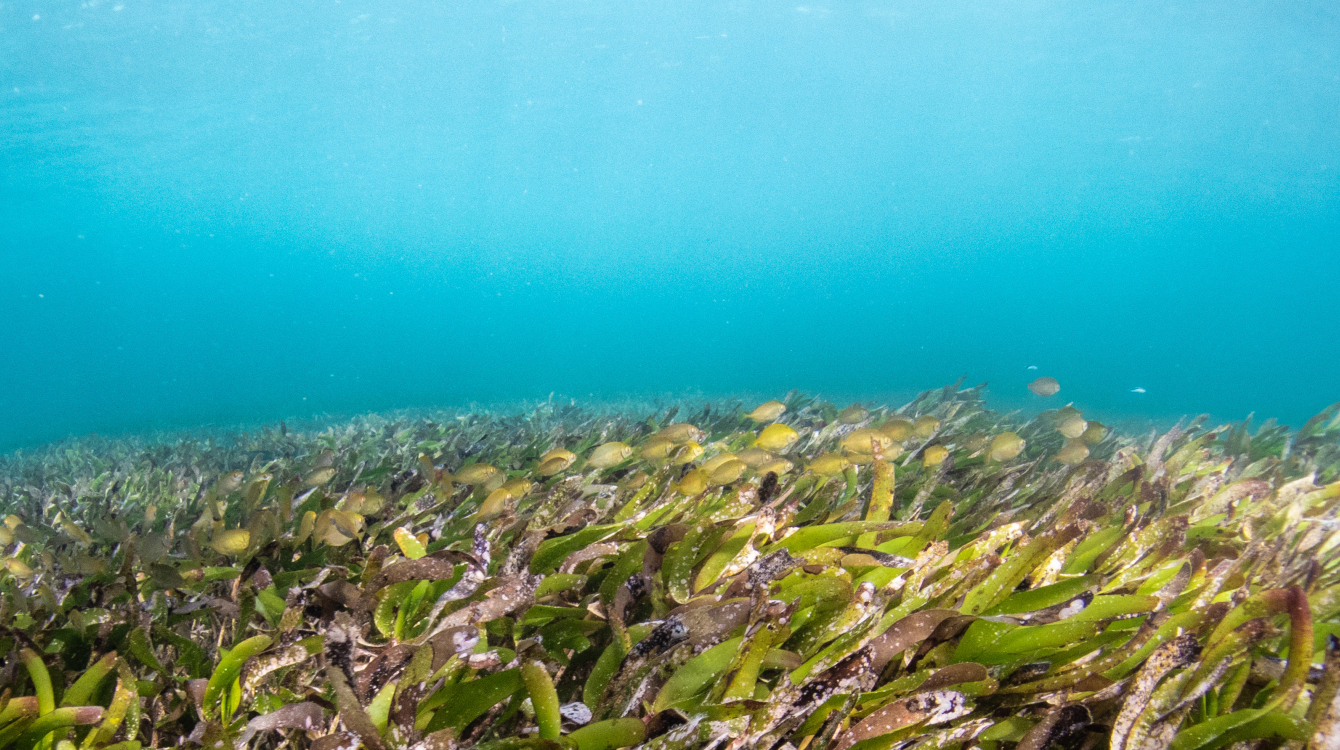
<point x="1074" y="452"/>
<point x="555" y="461"/>
<point x="230" y="482"/>
<point x="976" y="441"/>
<point x="779" y="467"/>
<point x="925" y="426"/>
<point x="70" y="528"/>
<point x="658" y="448"/>
<point x="776" y="437"/>
<point x="693" y="483"/>
<point x="767" y="412"/>
<point x="519" y="486"/>
<point x="829" y="465"/>
<point x="1072" y="426"/>
<point x="1137" y="390"/>
<point x="373" y="502"/>
<point x="558" y="453"/>
<point x="476" y="474"/>
<point x="319" y="477"/>
<point x="863" y="441"/>
<point x="551" y="467"/>
<point x="681" y="433"/>
<point x="1045" y="386"/>
<point x="726" y="472"/>
<point x="755" y="457"/>
<point x="1094" y="433"/>
<point x="231" y="542"/>
<point x="934" y="455"/>
<point x="348" y="524"/>
<point x="898" y="429"/>
<point x="1006" y="446"/>
<point x="18" y="567"/>
<point x="685" y="453"/>
<point x="711" y="464"/>
<point x="609" y="454"/>
<point x="634" y="481"/>
<point x="852" y="414"/>
<point x="495" y="504"/>
<point x="328" y="531"/>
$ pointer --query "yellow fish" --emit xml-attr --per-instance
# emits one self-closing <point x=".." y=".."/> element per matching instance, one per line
<point x="853" y="414"/>
<point x="495" y="481"/>
<point x="348" y="524"/>
<point x="685" y="453"/>
<point x="862" y="441"/>
<point x="551" y="467"/>
<point x="726" y="472"/>
<point x="898" y="429"/>
<point x="925" y="426"/>
<point x="776" y="437"/>
<point x="1006" y="446"/>
<point x="712" y="463"/>
<point x="306" y="525"/>
<point x="555" y="461"/>
<point x="1075" y="451"/>
<point x="230" y="482"/>
<point x="829" y="465"/>
<point x="865" y="459"/>
<point x="519" y="486"/>
<point x="693" y="483"/>
<point x="427" y="469"/>
<point x="494" y="505"/>
<point x="755" y="457"/>
<point x="634" y="480"/>
<point x="681" y="433"/>
<point x="562" y="453"/>
<point x="320" y="476"/>
<point x="976" y="441"/>
<point x="476" y="474"/>
<point x="74" y="531"/>
<point x="1073" y="426"/>
<point x="779" y="467"/>
<point x="658" y="448"/>
<point x="934" y="455"/>
<point x="558" y="453"/>
<point x="231" y="542"/>
<point x="256" y="489"/>
<point x="1094" y="433"/>
<point x="767" y="412"/>
<point x="1045" y="386"/>
<point x="609" y="454"/>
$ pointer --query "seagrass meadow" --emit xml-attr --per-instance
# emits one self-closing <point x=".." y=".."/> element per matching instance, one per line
<point x="801" y="576"/>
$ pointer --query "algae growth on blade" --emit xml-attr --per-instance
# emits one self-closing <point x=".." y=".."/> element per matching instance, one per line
<point x="784" y="575"/>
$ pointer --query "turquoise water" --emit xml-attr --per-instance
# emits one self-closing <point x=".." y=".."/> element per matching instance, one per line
<point x="240" y="212"/>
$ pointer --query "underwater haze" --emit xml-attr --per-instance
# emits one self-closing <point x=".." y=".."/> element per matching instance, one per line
<point x="237" y="212"/>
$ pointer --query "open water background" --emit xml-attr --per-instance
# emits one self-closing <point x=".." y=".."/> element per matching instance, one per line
<point x="236" y="212"/>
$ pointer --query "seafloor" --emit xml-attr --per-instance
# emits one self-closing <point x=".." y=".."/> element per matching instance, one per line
<point x="799" y="576"/>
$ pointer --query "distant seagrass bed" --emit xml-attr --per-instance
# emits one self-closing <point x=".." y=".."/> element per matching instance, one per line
<point x="790" y="574"/>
